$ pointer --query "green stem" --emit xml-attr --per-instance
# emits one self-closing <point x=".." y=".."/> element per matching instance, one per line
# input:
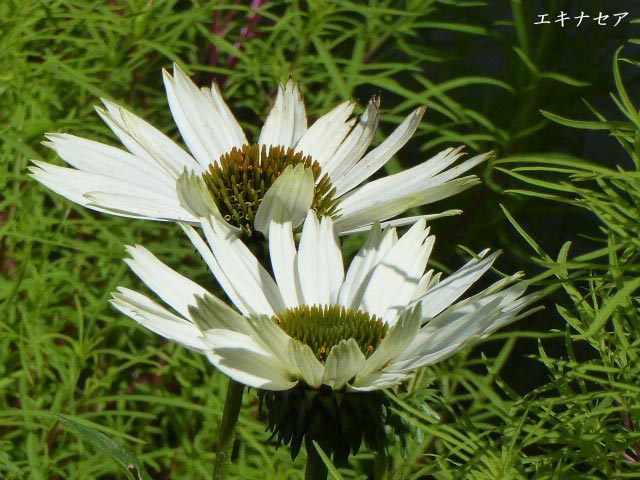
<point x="315" y="469"/>
<point x="381" y="465"/>
<point x="230" y="414"/>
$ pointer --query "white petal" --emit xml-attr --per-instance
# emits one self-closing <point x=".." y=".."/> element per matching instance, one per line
<point x="177" y="291"/>
<point x="146" y="141"/>
<point x="356" y="143"/>
<point x="344" y="362"/>
<point x="242" y="359"/>
<point x="157" y="319"/>
<point x="417" y="181"/>
<point x="466" y="323"/>
<point x="225" y="122"/>
<point x="327" y="133"/>
<point x="424" y="284"/>
<point x="510" y="302"/>
<point x="96" y="157"/>
<point x="394" y="279"/>
<point x="375" y="248"/>
<point x="78" y="182"/>
<point x="284" y="256"/>
<point x="458" y="170"/>
<point x="293" y="190"/>
<point x="216" y="269"/>
<point x="204" y="128"/>
<point x="138" y="207"/>
<point x="287" y="120"/>
<point x="212" y="313"/>
<point x="378" y="202"/>
<point x="423" y="172"/>
<point x="320" y="267"/>
<point x="453" y="287"/>
<point x="85" y="189"/>
<point x="194" y="196"/>
<point x="309" y="368"/>
<point x="400" y="222"/>
<point x="249" y="278"/>
<point x="395" y="342"/>
<point x="270" y="336"/>
<point x="377" y="381"/>
<point x="380" y="155"/>
<point x="444" y="336"/>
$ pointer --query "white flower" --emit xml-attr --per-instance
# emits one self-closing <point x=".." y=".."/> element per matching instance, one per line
<point x="313" y="324"/>
<point x="157" y="179"/>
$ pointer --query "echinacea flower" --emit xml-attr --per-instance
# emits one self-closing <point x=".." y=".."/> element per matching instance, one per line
<point x="318" y="343"/>
<point x="314" y="325"/>
<point x="322" y="167"/>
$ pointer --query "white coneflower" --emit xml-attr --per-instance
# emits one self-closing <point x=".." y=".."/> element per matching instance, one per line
<point x="313" y="324"/>
<point x="321" y="168"/>
<point x="318" y="343"/>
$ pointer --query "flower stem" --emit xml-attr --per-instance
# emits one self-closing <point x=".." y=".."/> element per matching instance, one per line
<point x="230" y="414"/>
<point x="381" y="465"/>
<point x="315" y="468"/>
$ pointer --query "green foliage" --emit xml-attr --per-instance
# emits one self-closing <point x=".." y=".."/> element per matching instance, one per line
<point x="484" y="71"/>
<point x="591" y="400"/>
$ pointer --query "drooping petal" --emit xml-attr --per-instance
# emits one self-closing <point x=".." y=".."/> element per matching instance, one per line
<point x="150" y="208"/>
<point x="287" y="120"/>
<point x="436" y="299"/>
<point x="149" y="314"/>
<point x="96" y="157"/>
<point x="401" y="222"/>
<point x="249" y="278"/>
<point x="374" y="204"/>
<point x="309" y="369"/>
<point x="207" y="255"/>
<point x="89" y="189"/>
<point x="177" y="291"/>
<point x="344" y="362"/>
<point x="194" y="196"/>
<point x="449" y="334"/>
<point x="241" y="358"/>
<point x="399" y="337"/>
<point x="146" y="141"/>
<point x="377" y="381"/>
<point x="380" y="155"/>
<point x="293" y="190"/>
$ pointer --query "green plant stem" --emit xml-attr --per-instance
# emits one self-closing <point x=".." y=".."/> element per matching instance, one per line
<point x="381" y="465"/>
<point x="315" y="468"/>
<point x="230" y="414"/>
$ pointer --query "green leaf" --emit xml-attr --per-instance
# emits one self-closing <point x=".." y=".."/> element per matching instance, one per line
<point x="103" y="443"/>
<point x="566" y="79"/>
<point x="586" y="124"/>
<point x="524" y="234"/>
<point x="620" y="298"/>
<point x="629" y="109"/>
<point x="332" y="469"/>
